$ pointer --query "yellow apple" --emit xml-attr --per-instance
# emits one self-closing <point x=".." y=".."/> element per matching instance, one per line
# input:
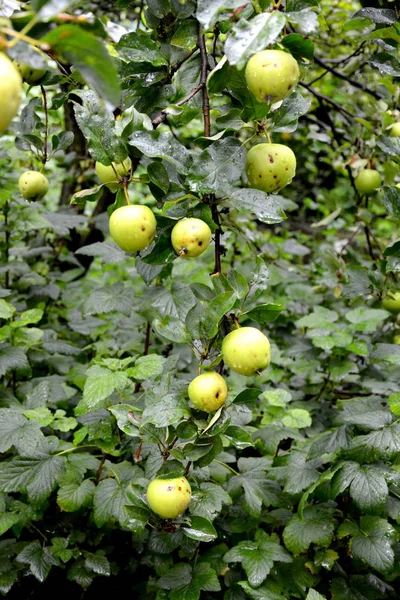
<point x="133" y="227"/>
<point x="106" y="173"/>
<point x="246" y="350"/>
<point x="33" y="185"/>
<point x="395" y="130"/>
<point x="10" y="91"/>
<point x="208" y="391"/>
<point x="190" y="237"/>
<point x="392" y="301"/>
<point x="270" y="167"/>
<point x="271" y="75"/>
<point x="29" y="74"/>
<point x="169" y="498"/>
<point x="367" y="181"/>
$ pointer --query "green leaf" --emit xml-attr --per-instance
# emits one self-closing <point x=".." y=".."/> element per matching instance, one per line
<point x="115" y="297"/>
<point x="98" y="563"/>
<point x="258" y="557"/>
<point x="257" y="489"/>
<point x="208" y="500"/>
<point x="8" y="520"/>
<point x="298" y="46"/>
<point x="208" y="10"/>
<point x="301" y="473"/>
<point x="263" y="313"/>
<point x="99" y="386"/>
<point x="18" y="431"/>
<point x="265" y="207"/>
<point x="107" y="251"/>
<point x="12" y="358"/>
<point x="165" y="411"/>
<point x="146" y="367"/>
<point x="98" y="126"/>
<point x="391" y="198"/>
<point x="74" y="496"/>
<point x="60" y="549"/>
<point x="387" y="64"/>
<point x="297" y="418"/>
<point x="216" y="309"/>
<point x="162" y="145"/>
<point x="88" y="55"/>
<point x="373" y="543"/>
<point x="249" y="37"/>
<point x="394" y="404"/>
<point x="238" y="437"/>
<point x="49" y="8"/>
<point x="217" y="167"/>
<point x="39" y="558"/>
<point x="330" y="442"/>
<point x="186" y="582"/>
<point x="368" y="486"/>
<point x="109" y="500"/>
<point x="287" y="115"/>
<point x="316" y="527"/>
<point x="6" y="309"/>
<point x="364" y="319"/>
<point x="200" y="529"/>
<point x="314" y="595"/>
<point x="138" y="47"/>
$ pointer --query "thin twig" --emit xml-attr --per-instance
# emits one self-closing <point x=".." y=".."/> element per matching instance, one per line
<point x="328" y="100"/>
<point x="347" y="78"/>
<point x="203" y="83"/>
<point x="145" y="351"/>
<point x="46" y="125"/>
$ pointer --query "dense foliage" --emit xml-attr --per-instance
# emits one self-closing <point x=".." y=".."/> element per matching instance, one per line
<point x="296" y="478"/>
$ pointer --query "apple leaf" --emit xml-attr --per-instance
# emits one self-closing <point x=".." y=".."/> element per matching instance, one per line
<point x="200" y="529"/>
<point x="265" y="207"/>
<point x="110" y="498"/>
<point x="263" y="313"/>
<point x="208" y="500"/>
<point x="391" y="196"/>
<point x="161" y="145"/>
<point x="89" y="56"/>
<point x="248" y="37"/>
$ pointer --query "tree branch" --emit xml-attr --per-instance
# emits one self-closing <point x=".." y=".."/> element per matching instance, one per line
<point x="327" y="99"/>
<point x="347" y="78"/>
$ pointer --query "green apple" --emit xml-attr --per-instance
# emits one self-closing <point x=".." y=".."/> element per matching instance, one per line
<point x="133" y="227"/>
<point x="395" y="130"/>
<point x="367" y="181"/>
<point x="190" y="237"/>
<point x="10" y="91"/>
<point x="392" y="301"/>
<point x="107" y="175"/>
<point x="208" y="391"/>
<point x="33" y="185"/>
<point x="246" y="350"/>
<point x="29" y="74"/>
<point x="169" y="498"/>
<point x="396" y="339"/>
<point x="270" y="167"/>
<point x="271" y="75"/>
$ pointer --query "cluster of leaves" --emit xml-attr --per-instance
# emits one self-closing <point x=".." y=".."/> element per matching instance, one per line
<point x="296" y="487"/>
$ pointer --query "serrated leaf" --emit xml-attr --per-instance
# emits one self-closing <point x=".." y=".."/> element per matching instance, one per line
<point x="109" y="501"/>
<point x="258" y="557"/>
<point x="373" y="543"/>
<point x="368" y="486"/>
<point x="36" y="476"/>
<point x="98" y="563"/>
<point x="74" y="496"/>
<point x="6" y="309"/>
<point x="107" y="251"/>
<point x="146" y="367"/>
<point x="138" y="47"/>
<point x="287" y="115"/>
<point x="12" y="358"/>
<point x="186" y="582"/>
<point x="263" y="313"/>
<point x="208" y="500"/>
<point x="39" y="559"/>
<point x="161" y="145"/>
<point x="99" y="385"/>
<point x="115" y="297"/>
<point x="16" y="430"/>
<point x="265" y="207"/>
<point x="316" y="527"/>
<point x="297" y="418"/>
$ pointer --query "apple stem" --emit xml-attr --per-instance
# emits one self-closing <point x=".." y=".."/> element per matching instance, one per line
<point x="268" y="137"/>
<point x="126" y="194"/>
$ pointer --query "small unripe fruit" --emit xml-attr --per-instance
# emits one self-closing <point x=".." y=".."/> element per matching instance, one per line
<point x="392" y="301"/>
<point x="246" y="350"/>
<point x="33" y="185"/>
<point x="208" y="391"/>
<point x="29" y="74"/>
<point x="133" y="227"/>
<point x="367" y="181"/>
<point x="395" y="130"/>
<point x="107" y="175"/>
<point x="190" y="237"/>
<point x="270" y="167"/>
<point x="271" y="75"/>
<point x="10" y="91"/>
<point x="169" y="498"/>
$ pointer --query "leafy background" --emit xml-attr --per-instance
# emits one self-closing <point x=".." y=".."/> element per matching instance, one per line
<point x="296" y="489"/>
